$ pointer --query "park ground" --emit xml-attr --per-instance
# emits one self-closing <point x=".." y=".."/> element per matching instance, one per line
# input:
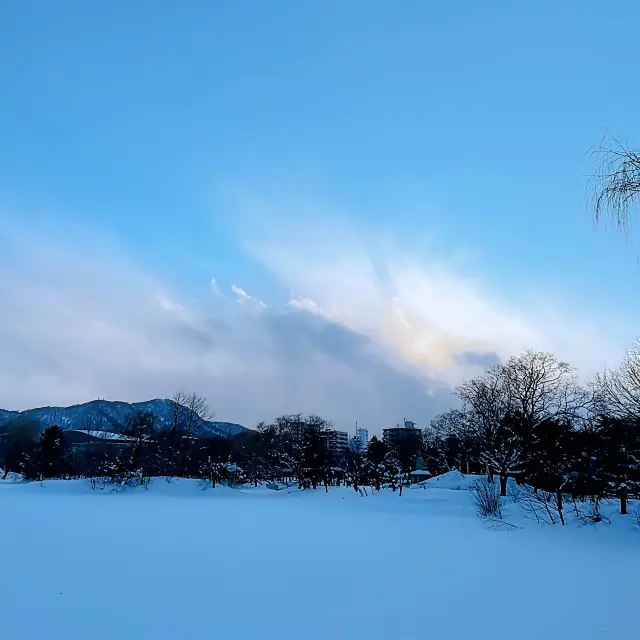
<point x="176" y="561"/>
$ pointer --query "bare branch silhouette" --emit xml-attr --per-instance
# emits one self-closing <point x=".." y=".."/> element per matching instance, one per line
<point x="615" y="184"/>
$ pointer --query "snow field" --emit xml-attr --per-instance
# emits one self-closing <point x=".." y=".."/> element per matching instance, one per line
<point x="178" y="562"/>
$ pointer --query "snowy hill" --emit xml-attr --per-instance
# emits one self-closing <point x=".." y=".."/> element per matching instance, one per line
<point x="111" y="416"/>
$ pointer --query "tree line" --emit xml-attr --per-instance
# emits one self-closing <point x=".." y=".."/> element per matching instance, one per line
<point x="527" y="419"/>
<point x="292" y="449"/>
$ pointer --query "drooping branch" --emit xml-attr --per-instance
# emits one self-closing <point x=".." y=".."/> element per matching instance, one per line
<point x="615" y="183"/>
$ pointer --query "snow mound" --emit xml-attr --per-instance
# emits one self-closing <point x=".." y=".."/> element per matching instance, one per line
<point x="453" y="480"/>
<point x="279" y="486"/>
<point x="11" y="477"/>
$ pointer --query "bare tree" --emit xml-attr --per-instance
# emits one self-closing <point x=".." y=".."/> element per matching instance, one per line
<point x="187" y="413"/>
<point x="453" y="440"/>
<point x="171" y="440"/>
<point x="485" y="400"/>
<point x="197" y="412"/>
<point x="504" y="406"/>
<point x="618" y="390"/>
<point x="540" y="386"/>
<point x="615" y="184"/>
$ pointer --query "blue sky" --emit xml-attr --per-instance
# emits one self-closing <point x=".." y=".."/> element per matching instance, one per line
<point x="408" y="175"/>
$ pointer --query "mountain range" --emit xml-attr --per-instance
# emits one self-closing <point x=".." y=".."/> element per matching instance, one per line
<point x="106" y="415"/>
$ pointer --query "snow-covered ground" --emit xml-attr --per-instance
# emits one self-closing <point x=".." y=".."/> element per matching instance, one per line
<point x="176" y="562"/>
<point x="105" y="435"/>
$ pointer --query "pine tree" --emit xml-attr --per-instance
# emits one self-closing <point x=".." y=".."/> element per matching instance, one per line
<point x="51" y="453"/>
<point x="589" y="477"/>
<point x="374" y="460"/>
<point x="551" y="461"/>
<point x="140" y="427"/>
<point x="354" y="467"/>
<point x="621" y="457"/>
<point x="315" y="454"/>
<point x="393" y="470"/>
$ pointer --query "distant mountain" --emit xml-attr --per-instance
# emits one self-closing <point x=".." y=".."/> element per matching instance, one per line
<point x="105" y="415"/>
<point x="7" y="415"/>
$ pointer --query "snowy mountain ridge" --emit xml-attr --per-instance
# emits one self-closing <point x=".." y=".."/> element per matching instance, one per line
<point x="108" y="415"/>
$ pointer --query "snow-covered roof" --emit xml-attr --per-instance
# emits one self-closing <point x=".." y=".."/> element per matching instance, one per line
<point x="419" y="472"/>
<point x="105" y="435"/>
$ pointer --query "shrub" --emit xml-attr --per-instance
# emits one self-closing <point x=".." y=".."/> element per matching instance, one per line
<point x="486" y="497"/>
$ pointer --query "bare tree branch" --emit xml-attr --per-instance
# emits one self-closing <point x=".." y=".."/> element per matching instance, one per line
<point x="615" y="184"/>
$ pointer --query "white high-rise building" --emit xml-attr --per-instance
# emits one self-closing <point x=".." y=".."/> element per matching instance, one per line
<point x="362" y="437"/>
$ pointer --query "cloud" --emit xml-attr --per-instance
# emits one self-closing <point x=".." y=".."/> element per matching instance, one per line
<point x="248" y="302"/>
<point x="215" y="289"/>
<point x="427" y="308"/>
<point x="80" y="324"/>
<point x="306" y="304"/>
<point x="370" y="330"/>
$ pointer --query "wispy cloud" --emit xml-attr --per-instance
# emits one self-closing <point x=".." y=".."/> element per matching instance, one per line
<point x="424" y="309"/>
<point x="246" y="301"/>
<point x="215" y="289"/>
<point x="370" y="332"/>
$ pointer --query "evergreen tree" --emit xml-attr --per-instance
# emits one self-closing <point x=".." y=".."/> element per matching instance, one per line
<point x="621" y="439"/>
<point x="552" y="459"/>
<point x="18" y="446"/>
<point x="375" y="456"/>
<point x="315" y="453"/>
<point x="589" y="474"/>
<point x="51" y="454"/>
<point x="392" y="470"/>
<point x="139" y="426"/>
<point x="354" y="467"/>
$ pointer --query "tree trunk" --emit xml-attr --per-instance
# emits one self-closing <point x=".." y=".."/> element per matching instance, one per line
<point x="623" y="501"/>
<point x="560" y="506"/>
<point x="503" y="485"/>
